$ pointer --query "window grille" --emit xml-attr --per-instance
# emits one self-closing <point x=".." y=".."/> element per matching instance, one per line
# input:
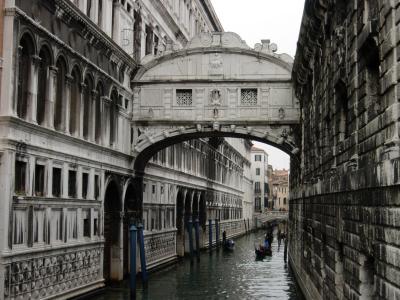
<point x="248" y="97"/>
<point x="184" y="97"/>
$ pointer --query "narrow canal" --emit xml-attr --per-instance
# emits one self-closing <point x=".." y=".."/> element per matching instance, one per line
<point x="221" y="275"/>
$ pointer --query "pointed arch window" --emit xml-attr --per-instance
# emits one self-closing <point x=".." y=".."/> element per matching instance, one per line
<point x="87" y="99"/>
<point x="24" y="73"/>
<point x="60" y="98"/>
<point x="98" y="126"/>
<point x="74" y="111"/>
<point x="43" y="83"/>
<point x="113" y="117"/>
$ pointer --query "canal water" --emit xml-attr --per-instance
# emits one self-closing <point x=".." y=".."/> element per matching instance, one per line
<point x="221" y="275"/>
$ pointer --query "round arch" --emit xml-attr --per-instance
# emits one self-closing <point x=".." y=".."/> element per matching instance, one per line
<point x="46" y="60"/>
<point x="112" y="227"/>
<point x="62" y="57"/>
<point x="151" y="144"/>
<point x="29" y="37"/>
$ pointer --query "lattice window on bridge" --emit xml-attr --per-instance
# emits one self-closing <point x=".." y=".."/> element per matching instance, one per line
<point x="248" y="97"/>
<point x="184" y="97"/>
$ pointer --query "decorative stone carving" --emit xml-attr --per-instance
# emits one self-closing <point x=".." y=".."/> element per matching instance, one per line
<point x="218" y="39"/>
<point x="215" y="97"/>
<point x="340" y="43"/>
<point x="281" y="113"/>
<point x="216" y="65"/>
<point x="266" y="47"/>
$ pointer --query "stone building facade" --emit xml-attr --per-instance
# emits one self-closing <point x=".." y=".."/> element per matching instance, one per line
<point x="259" y="172"/>
<point x="344" y="228"/>
<point x="66" y="145"/>
<point x="279" y="182"/>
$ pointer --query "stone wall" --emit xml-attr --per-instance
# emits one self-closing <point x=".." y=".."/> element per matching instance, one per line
<point x="344" y="207"/>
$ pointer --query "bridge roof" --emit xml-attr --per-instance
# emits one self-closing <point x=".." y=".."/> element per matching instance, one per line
<point x="217" y="56"/>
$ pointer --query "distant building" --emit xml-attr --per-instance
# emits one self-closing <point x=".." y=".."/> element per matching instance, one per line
<point x="279" y="181"/>
<point x="259" y="169"/>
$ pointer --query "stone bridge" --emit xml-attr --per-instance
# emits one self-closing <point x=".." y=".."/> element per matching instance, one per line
<point x="271" y="216"/>
<point x="216" y="86"/>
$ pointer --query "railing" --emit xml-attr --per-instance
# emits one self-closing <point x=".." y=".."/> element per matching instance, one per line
<point x="44" y="276"/>
<point x="232" y="227"/>
<point x="159" y="247"/>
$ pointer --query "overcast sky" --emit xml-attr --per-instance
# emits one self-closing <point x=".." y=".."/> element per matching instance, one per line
<point x="254" y="20"/>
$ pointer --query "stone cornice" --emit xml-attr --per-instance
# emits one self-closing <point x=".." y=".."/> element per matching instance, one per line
<point x="64" y="45"/>
<point x="211" y="14"/>
<point x="66" y="9"/>
<point x="34" y="129"/>
<point x="193" y="51"/>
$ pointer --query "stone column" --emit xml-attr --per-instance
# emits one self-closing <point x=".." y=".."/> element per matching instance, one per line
<point x="143" y="37"/>
<point x="79" y="183"/>
<point x="102" y="117"/>
<point x="116" y="34"/>
<point x="31" y="172"/>
<point x="32" y="90"/>
<point x="51" y="97"/>
<point x="49" y="192"/>
<point x="64" y="186"/>
<point x="7" y="173"/>
<point x="90" y="193"/>
<point x="106" y="121"/>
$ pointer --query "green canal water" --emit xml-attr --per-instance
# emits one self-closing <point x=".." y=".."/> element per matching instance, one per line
<point x="221" y="275"/>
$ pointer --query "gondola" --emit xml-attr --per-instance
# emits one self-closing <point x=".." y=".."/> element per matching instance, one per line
<point x="229" y="245"/>
<point x="261" y="253"/>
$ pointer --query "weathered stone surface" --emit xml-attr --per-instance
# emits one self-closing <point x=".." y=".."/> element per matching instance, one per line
<point x="345" y="206"/>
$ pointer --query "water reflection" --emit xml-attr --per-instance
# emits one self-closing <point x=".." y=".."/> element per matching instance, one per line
<point x="222" y="275"/>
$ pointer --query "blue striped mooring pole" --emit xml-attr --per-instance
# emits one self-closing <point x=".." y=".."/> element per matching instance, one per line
<point x="132" y="277"/>
<point x="210" y="234"/>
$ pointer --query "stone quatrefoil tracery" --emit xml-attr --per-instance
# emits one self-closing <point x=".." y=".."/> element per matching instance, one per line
<point x="42" y="277"/>
<point x="248" y="97"/>
<point x="184" y="97"/>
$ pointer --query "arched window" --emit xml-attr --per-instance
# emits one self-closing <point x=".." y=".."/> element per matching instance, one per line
<point x="74" y="111"/>
<point x="24" y="71"/>
<point x="87" y="99"/>
<point x="60" y="88"/>
<point x="98" y="127"/>
<point x="43" y="83"/>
